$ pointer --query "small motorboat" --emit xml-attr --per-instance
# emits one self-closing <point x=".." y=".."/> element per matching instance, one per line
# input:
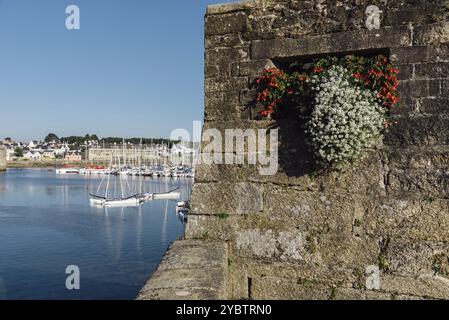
<point x="183" y="209"/>
<point x="67" y="171"/>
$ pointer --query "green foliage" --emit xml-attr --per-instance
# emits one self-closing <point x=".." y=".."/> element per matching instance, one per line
<point x="383" y="262"/>
<point x="51" y="137"/>
<point x="223" y="215"/>
<point x="18" y="152"/>
<point x="79" y="140"/>
<point x="312" y="244"/>
<point x="429" y="198"/>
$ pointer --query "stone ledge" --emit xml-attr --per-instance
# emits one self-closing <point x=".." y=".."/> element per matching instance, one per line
<point x="230" y="7"/>
<point x="331" y="43"/>
<point x="191" y="270"/>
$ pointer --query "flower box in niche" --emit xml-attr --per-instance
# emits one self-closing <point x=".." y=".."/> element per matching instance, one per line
<point x="342" y="103"/>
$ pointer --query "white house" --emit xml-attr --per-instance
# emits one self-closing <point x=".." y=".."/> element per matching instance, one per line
<point x="36" y="156"/>
<point x="33" y="144"/>
<point x="33" y="156"/>
<point x="28" y="155"/>
<point x="62" y="150"/>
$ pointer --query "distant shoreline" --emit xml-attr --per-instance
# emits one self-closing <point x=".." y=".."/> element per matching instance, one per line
<point x="49" y="164"/>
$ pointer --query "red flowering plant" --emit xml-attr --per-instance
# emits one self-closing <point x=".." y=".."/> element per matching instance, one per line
<point x="272" y="86"/>
<point x="377" y="75"/>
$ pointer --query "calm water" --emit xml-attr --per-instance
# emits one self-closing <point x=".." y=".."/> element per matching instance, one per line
<point x="47" y="223"/>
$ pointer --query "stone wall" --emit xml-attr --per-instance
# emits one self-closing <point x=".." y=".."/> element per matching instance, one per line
<point x="298" y="235"/>
<point x="2" y="159"/>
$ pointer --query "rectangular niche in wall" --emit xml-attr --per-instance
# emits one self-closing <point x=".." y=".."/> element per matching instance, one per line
<point x="304" y="64"/>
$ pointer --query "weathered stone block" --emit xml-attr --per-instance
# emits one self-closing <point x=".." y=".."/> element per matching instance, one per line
<point x="359" y="294"/>
<point x="226" y="56"/>
<point x="246" y="130"/>
<point x="430" y="159"/>
<point x="227" y="198"/>
<point x="421" y="219"/>
<point x="224" y="41"/>
<point x="439" y="52"/>
<point x="413" y="54"/>
<point x="405" y="72"/>
<point x="225" y="84"/>
<point x="425" y="286"/>
<point x="226" y="23"/>
<point x="337" y="42"/>
<point x="266" y="288"/>
<point x="251" y="173"/>
<point x="212" y="71"/>
<point x="414" y="88"/>
<point x="409" y="258"/>
<point x="285" y="245"/>
<point x="254" y="68"/>
<point x="435" y="33"/>
<point x="222" y="106"/>
<point x="324" y="246"/>
<point x="434" y="105"/>
<point x="419" y="181"/>
<point x="208" y="227"/>
<point x="432" y="70"/>
<point x="418" y="131"/>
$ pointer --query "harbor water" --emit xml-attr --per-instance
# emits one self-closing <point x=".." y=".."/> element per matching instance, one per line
<point x="47" y="224"/>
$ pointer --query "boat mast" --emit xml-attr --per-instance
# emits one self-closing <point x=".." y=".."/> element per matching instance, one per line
<point x="120" y="178"/>
<point x="109" y="176"/>
<point x="139" y="159"/>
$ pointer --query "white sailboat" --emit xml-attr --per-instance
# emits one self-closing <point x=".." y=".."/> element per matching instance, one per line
<point x="118" y="199"/>
<point x="173" y="194"/>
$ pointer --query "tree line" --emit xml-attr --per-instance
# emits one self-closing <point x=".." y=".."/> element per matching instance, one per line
<point x="80" y="140"/>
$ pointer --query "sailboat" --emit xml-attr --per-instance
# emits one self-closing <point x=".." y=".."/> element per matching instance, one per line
<point x="114" y="202"/>
<point x="118" y="199"/>
<point x="172" y="194"/>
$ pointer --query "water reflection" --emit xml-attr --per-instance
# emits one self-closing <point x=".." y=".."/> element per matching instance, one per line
<point x="47" y="223"/>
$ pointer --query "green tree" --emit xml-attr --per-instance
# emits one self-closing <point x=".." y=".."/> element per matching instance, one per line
<point x="51" y="137"/>
<point x="19" y="152"/>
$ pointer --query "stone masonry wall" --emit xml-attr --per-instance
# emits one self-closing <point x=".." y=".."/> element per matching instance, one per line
<point x="298" y="235"/>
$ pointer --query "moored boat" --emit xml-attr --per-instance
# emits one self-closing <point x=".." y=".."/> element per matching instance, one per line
<point x="67" y="171"/>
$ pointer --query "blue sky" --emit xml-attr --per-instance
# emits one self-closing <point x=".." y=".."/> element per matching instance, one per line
<point x="135" y="68"/>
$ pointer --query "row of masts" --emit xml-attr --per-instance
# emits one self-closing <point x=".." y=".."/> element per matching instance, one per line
<point x="128" y="195"/>
<point x="142" y="155"/>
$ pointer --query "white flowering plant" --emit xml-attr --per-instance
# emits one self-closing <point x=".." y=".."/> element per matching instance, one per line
<point x="345" y="119"/>
<point x="345" y="102"/>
